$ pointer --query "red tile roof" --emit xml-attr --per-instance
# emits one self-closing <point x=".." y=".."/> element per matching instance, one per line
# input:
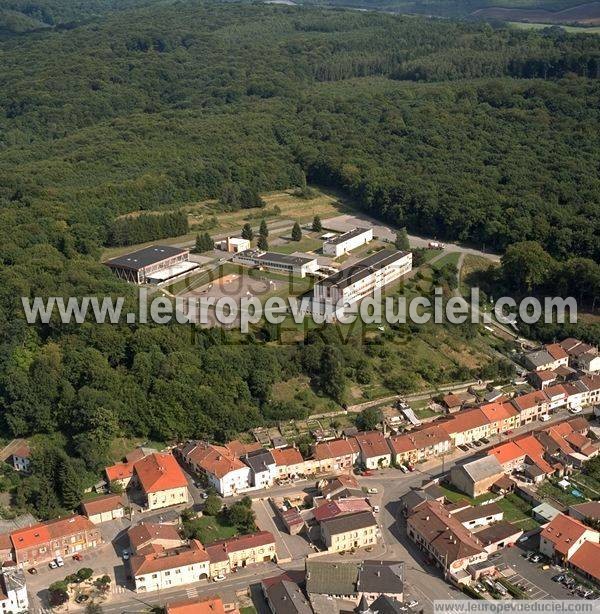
<point x="556" y="351"/>
<point x="507" y="452"/>
<point x="42" y="533"/>
<point x="555" y="392"/>
<point x="527" y="401"/>
<point x="418" y="439"/>
<point x="464" y="421"/>
<point x="332" y="509"/>
<point x="99" y="505"/>
<point x="218" y="549"/>
<point x="544" y="376"/>
<point x="587" y="558"/>
<point x="284" y="457"/>
<point x="372" y="444"/>
<point x="169" y="559"/>
<point x="158" y="472"/>
<point x="498" y="411"/>
<point x="119" y="471"/>
<point x="333" y="449"/>
<point x="563" y="531"/>
<point x="145" y="532"/>
<point x="215" y="460"/>
<point x="238" y="449"/>
<point x="535" y="451"/>
<point x="202" y="605"/>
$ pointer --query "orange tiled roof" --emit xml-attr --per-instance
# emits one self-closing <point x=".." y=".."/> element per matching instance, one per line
<point x="465" y="421"/>
<point x="527" y="401"/>
<point x="158" y="472"/>
<point x="498" y="411"/>
<point x="169" y="559"/>
<point x="563" y="531"/>
<point x="238" y="449"/>
<point x="372" y="444"/>
<point x="418" y="439"/>
<point x="557" y="390"/>
<point x="507" y="452"/>
<point x="106" y="503"/>
<point x="42" y="533"/>
<point x="556" y="351"/>
<point x="535" y="451"/>
<point x="119" y="471"/>
<point x="284" y="457"/>
<point x="145" y="532"/>
<point x="332" y="449"/>
<point x="216" y="460"/>
<point x="202" y="605"/>
<point x="587" y="558"/>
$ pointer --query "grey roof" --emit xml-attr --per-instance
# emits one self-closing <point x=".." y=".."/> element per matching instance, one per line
<point x="259" y="460"/>
<point x="146" y="256"/>
<point x="539" y="358"/>
<point x="332" y="578"/>
<point x="481" y="468"/>
<point x="478" y="511"/>
<point x="590" y="509"/>
<point x="349" y="522"/>
<point x="347" y="493"/>
<point x="533" y="471"/>
<point x="285" y="597"/>
<point x="381" y="577"/>
<point x="545" y="510"/>
<point x="363" y="268"/>
<point x="497" y="532"/>
<point x="258" y="254"/>
<point x="386" y="605"/>
<point x="350" y="234"/>
<point x="412" y="498"/>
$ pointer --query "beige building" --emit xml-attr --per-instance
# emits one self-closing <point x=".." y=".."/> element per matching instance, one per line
<point x="477" y="476"/>
<point x="241" y="551"/>
<point x="103" y="509"/>
<point x="161" y="481"/>
<point x="348" y="532"/>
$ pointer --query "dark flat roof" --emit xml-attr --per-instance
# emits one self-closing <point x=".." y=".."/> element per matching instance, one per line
<point x="146" y="256"/>
<point x="363" y="268"/>
<point x="350" y="234"/>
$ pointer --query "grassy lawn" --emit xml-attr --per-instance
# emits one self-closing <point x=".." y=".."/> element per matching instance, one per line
<point x="516" y="510"/>
<point x="249" y="609"/>
<point x="451" y="258"/>
<point x="306" y="244"/>
<point x="548" y="489"/>
<point x="211" y="529"/>
<point x="454" y="495"/>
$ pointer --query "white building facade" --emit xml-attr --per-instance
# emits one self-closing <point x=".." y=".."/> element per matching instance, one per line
<point x="346" y="242"/>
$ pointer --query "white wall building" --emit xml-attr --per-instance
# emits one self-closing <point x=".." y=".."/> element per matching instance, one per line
<point x="280" y="263"/>
<point x="14" y="592"/>
<point x="346" y="242"/>
<point x="263" y="468"/>
<point x="361" y="279"/>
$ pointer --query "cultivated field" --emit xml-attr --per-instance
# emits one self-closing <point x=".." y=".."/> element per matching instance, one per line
<point x="587" y="14"/>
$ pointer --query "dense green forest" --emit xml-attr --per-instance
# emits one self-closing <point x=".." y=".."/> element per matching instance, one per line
<point x="451" y="129"/>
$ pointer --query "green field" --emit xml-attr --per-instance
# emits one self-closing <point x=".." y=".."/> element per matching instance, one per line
<point x="306" y="244"/>
<point x="517" y="511"/>
<point x="521" y="25"/>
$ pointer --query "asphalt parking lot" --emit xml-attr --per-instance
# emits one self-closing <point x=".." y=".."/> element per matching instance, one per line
<point x="533" y="579"/>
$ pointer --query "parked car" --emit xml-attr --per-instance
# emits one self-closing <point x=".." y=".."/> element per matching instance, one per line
<point x="545" y="418"/>
<point x="559" y="577"/>
<point x="32" y="571"/>
<point x="536" y="558"/>
<point x="125" y="555"/>
<point x="52" y="565"/>
<point x="403" y="469"/>
<point x="219" y="578"/>
<point x="77" y="557"/>
<point x="367" y="473"/>
<point x="81" y="598"/>
<point x="372" y="491"/>
<point x="522" y="539"/>
<point x="410" y="467"/>
<point x="569" y="582"/>
<point x="413" y="603"/>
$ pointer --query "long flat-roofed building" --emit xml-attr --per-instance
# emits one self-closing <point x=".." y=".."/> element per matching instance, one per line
<point x="363" y="278"/>
<point x="350" y="240"/>
<point x="282" y="263"/>
<point x="152" y="265"/>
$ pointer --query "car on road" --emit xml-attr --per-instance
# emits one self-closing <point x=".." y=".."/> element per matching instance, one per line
<point x="52" y="565"/>
<point x="403" y="469"/>
<point x="410" y="467"/>
<point x="536" y="558"/>
<point x="545" y="418"/>
<point x="558" y="577"/>
<point x="376" y="509"/>
<point x="413" y="603"/>
<point x="575" y="410"/>
<point x="219" y="578"/>
<point x="372" y="491"/>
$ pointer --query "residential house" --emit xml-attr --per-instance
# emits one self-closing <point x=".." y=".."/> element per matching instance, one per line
<point x="160" y="480"/>
<point x="586" y="560"/>
<point x="414" y="497"/>
<point x="284" y="596"/>
<point x="289" y="463"/>
<point x="20" y="459"/>
<point x="502" y="417"/>
<point x="578" y="394"/>
<point x="563" y="536"/>
<point x="349" y="531"/>
<point x="557" y="397"/>
<point x="241" y="551"/>
<point x="45" y="541"/>
<point x="238" y="449"/>
<point x="535" y="467"/>
<point x="445" y="539"/>
<point x="13" y="591"/>
<point x="377" y="578"/>
<point x="121" y="473"/>
<point x="509" y="455"/>
<point x="199" y="605"/>
<point x="544" y="512"/>
<point x="374" y="450"/>
<point x="152" y="537"/>
<point x="581" y="355"/>
<point x="542" y="379"/>
<point x="219" y="465"/>
<point x="336" y="456"/>
<point x="475" y="477"/>
<point x="420" y="445"/>
<point x="592" y="384"/>
<point x="263" y="470"/>
<point x="476" y="516"/>
<point x="104" y="508"/>
<point x="589" y="361"/>
<point x="531" y="406"/>
<point x="467" y="426"/>
<point x="341" y="487"/>
<point x="586" y="512"/>
<point x="341" y="507"/>
<point x="499" y="535"/>
<point x="547" y="358"/>
<point x="166" y="568"/>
